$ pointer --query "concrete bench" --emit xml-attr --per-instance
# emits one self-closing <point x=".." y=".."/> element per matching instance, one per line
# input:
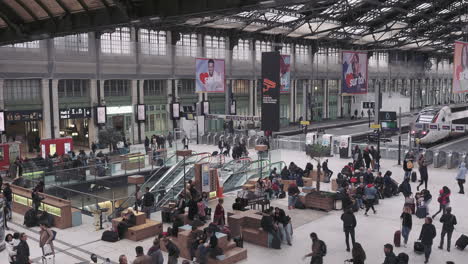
<point x="144" y="228"/>
<point x="248" y="224"/>
<point x="232" y="253"/>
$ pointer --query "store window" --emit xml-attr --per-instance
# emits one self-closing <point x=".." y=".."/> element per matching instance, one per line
<point x="117" y="42"/>
<point x="261" y="46"/>
<point x="240" y="87"/>
<point x="215" y="47"/>
<point x="117" y="88"/>
<point x="73" y="88"/>
<point x="76" y="43"/>
<point x="302" y="54"/>
<point x="154" y="87"/>
<point x="187" y="86"/>
<point x="153" y="42"/>
<point x="242" y="50"/>
<point x="26" y="45"/>
<point x="187" y="45"/>
<point x="22" y="90"/>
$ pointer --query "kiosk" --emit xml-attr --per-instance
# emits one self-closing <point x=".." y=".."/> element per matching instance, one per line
<point x="52" y="146"/>
<point x="345" y="146"/>
<point x="8" y="154"/>
<point x="327" y="140"/>
<point x="311" y="138"/>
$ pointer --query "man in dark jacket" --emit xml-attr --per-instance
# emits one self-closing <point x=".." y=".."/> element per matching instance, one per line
<point x="349" y="224"/>
<point x="405" y="187"/>
<point x="449" y="221"/>
<point x="148" y="202"/>
<point x="390" y="257"/>
<point x="268" y="224"/>
<point x="8" y="194"/>
<point x="22" y="250"/>
<point x="326" y="170"/>
<point x="428" y="233"/>
<point x="172" y="250"/>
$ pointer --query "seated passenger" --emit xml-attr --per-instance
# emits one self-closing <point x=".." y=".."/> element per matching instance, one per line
<point x="129" y="220"/>
<point x="237" y="205"/>
<point x="209" y="247"/>
<point x="284" y="225"/>
<point x="268" y="225"/>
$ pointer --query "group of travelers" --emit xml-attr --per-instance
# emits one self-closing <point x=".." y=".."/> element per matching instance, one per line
<point x="159" y="141"/>
<point x="368" y="158"/>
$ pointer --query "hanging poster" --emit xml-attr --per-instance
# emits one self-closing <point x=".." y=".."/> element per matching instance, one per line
<point x="67" y="147"/>
<point x="206" y="177"/>
<point x="271" y="91"/>
<point x="354" y="72"/>
<point x="52" y="149"/>
<point x="2" y="121"/>
<point x="285" y="71"/>
<point x="209" y="76"/>
<point x="460" y="64"/>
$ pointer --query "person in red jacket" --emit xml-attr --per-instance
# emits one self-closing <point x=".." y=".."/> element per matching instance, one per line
<point x="444" y="200"/>
<point x="218" y="217"/>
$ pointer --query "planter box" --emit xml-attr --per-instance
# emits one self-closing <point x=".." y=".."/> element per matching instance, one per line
<point x="134" y="162"/>
<point x="317" y="200"/>
<point x="313" y="176"/>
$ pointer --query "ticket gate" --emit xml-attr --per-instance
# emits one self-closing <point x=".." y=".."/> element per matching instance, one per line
<point x="453" y="160"/>
<point x="327" y="140"/>
<point x="440" y="159"/>
<point x="345" y="146"/>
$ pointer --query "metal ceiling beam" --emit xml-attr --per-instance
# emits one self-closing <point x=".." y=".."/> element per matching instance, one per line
<point x="83" y="5"/>
<point x="10" y="24"/>
<point x="63" y="6"/>
<point x="44" y="7"/>
<point x="27" y="9"/>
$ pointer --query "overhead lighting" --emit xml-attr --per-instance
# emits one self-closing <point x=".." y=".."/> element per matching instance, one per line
<point x="267" y="2"/>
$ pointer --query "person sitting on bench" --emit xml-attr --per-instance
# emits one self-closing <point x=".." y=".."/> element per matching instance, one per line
<point x="268" y="225"/>
<point x="129" y="220"/>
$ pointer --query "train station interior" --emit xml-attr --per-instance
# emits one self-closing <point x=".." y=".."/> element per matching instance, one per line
<point x="200" y="101"/>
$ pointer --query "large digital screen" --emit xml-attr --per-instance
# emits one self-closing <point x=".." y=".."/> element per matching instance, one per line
<point x="101" y="115"/>
<point x="175" y="111"/>
<point x="210" y="75"/>
<point x="354" y="72"/>
<point x="2" y="121"/>
<point x="141" y="110"/>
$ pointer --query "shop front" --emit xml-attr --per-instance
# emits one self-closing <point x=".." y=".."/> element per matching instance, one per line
<point x="74" y="123"/>
<point x="24" y="126"/>
<point x="121" y="119"/>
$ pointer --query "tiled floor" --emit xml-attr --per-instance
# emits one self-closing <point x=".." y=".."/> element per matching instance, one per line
<point x="76" y="244"/>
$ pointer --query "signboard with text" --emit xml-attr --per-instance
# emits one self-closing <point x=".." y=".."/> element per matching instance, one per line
<point x="75" y="113"/>
<point x="271" y="91"/>
<point x="24" y="115"/>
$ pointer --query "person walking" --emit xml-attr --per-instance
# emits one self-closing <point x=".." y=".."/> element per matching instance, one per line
<point x="219" y="217"/>
<point x="141" y="258"/>
<point x="349" y="225"/>
<point x="148" y="202"/>
<point x="328" y="173"/>
<point x="147" y="143"/>
<point x="406" y="224"/>
<point x="428" y="233"/>
<point x="461" y="175"/>
<point x="185" y="142"/>
<point x="293" y="195"/>
<point x="46" y="237"/>
<point x="172" y="250"/>
<point x="422" y="172"/>
<point x="22" y="250"/>
<point x="367" y="157"/>
<point x="390" y="257"/>
<point x="170" y="138"/>
<point x="448" y="221"/>
<point x="443" y="200"/>
<point x="221" y="145"/>
<point x="8" y="195"/>
<point x="370" y="193"/>
<point x="319" y="250"/>
<point x="407" y="167"/>
<point x="358" y="253"/>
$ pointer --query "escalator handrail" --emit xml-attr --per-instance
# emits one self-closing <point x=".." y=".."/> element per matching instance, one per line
<point x="174" y="168"/>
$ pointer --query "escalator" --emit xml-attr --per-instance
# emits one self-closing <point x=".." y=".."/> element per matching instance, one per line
<point x="232" y="166"/>
<point x="239" y="178"/>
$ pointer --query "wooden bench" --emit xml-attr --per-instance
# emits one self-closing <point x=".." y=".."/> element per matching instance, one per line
<point x="248" y="224"/>
<point x="144" y="228"/>
<point x="232" y="253"/>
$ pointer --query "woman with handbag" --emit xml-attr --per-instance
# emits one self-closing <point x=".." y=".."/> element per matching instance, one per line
<point x="46" y="237"/>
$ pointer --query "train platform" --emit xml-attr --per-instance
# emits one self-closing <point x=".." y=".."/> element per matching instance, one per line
<point x="74" y="245"/>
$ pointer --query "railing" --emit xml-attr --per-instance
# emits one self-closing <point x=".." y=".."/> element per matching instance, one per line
<point x="237" y="179"/>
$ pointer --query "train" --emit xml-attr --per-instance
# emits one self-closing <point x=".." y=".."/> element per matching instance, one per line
<point x="441" y="115"/>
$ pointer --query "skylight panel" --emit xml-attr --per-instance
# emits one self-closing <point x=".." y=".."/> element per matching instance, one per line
<point x="445" y="11"/>
<point x="423" y="6"/>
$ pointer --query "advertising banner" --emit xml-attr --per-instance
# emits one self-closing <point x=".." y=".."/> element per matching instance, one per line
<point x="210" y="77"/>
<point x="271" y="91"/>
<point x="23" y="115"/>
<point x="354" y="72"/>
<point x="2" y="121"/>
<point x="285" y="71"/>
<point x="206" y="177"/>
<point x="460" y="64"/>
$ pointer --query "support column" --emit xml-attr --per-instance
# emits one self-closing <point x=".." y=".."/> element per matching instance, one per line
<point x="141" y="100"/>
<point x="55" y="108"/>
<point x="169" y="101"/>
<point x="340" y="100"/>
<point x="92" y="127"/>
<point x="134" y="93"/>
<point x="46" y="130"/>
<point x="2" y="100"/>
<point x="251" y="97"/>
<point x="292" y="101"/>
<point x="305" y="116"/>
<point x="255" y="101"/>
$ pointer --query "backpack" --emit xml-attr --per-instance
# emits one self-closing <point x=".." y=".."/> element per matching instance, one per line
<point x="409" y="164"/>
<point x="323" y="248"/>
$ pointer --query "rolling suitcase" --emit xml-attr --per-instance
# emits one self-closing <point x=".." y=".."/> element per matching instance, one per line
<point x="414" y="176"/>
<point x="462" y="242"/>
<point x="110" y="236"/>
<point x="49" y="259"/>
<point x="397" y="238"/>
<point x="418" y="247"/>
